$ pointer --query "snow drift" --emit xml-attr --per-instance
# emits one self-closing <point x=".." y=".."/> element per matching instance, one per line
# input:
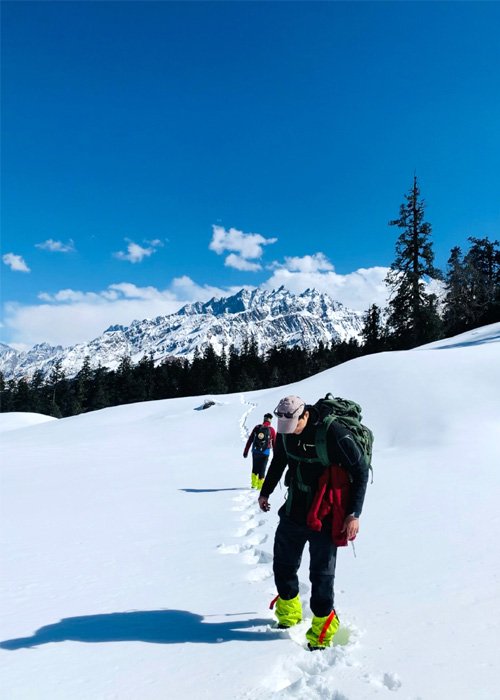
<point x="136" y="563"/>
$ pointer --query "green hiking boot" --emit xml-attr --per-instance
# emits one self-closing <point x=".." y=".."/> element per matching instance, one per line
<point x="288" y="612"/>
<point x="321" y="632"/>
<point x="254" y="480"/>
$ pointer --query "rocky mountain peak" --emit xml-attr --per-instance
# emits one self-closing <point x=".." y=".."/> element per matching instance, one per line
<point x="271" y="317"/>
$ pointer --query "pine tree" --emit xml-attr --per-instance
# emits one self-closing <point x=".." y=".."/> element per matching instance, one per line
<point x="145" y="376"/>
<point x="483" y="268"/>
<point x="127" y="383"/>
<point x="56" y="378"/>
<point x="456" y="314"/>
<point x="23" y="396"/>
<point x="413" y="316"/>
<point x="4" y="395"/>
<point x="196" y="377"/>
<point x="373" y="332"/>
<point x="251" y="361"/>
<point x="99" y="393"/>
<point x="84" y="384"/>
<point x="274" y="363"/>
<point x="8" y="396"/>
<point x="472" y="286"/>
<point x="214" y="372"/>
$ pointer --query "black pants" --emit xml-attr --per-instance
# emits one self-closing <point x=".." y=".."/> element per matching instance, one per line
<point x="289" y="543"/>
<point x="259" y="464"/>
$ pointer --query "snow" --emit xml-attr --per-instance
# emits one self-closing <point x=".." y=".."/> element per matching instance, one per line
<point x="136" y="563"/>
<point x="15" y="420"/>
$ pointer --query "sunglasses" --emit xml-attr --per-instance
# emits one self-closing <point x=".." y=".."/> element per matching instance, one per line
<point x="280" y="414"/>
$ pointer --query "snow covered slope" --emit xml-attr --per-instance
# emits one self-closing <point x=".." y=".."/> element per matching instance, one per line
<point x="15" y="420"/>
<point x="136" y="563"/>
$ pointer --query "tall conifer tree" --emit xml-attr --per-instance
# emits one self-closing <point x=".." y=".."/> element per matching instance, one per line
<point x="457" y="310"/>
<point x="483" y="269"/>
<point x="472" y="286"/>
<point x="413" y="317"/>
<point x="373" y="332"/>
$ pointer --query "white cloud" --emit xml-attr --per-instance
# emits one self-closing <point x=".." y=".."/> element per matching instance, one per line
<point x="244" y="247"/>
<point x="309" y="263"/>
<point x="68" y="296"/>
<point x="240" y="263"/>
<point x="185" y="287"/>
<point x="136" y="253"/>
<point x="132" y="291"/>
<point x="70" y="316"/>
<point x="56" y="246"/>
<point x="15" y="262"/>
<point x="356" y="290"/>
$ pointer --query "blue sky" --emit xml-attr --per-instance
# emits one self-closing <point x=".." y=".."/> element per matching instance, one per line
<point x="159" y="153"/>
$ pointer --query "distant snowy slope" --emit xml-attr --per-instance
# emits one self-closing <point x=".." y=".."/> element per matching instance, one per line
<point x="137" y="565"/>
<point x="15" y="420"/>
<point x="485" y="334"/>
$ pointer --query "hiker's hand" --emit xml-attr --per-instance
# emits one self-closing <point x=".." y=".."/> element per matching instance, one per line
<point x="264" y="504"/>
<point x="244" y="455"/>
<point x="351" y="526"/>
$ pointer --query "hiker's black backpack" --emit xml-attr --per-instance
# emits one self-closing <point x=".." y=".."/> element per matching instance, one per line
<point x="261" y="438"/>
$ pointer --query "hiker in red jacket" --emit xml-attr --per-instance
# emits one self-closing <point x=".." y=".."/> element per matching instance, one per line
<point x="295" y="448"/>
<point x="261" y="439"/>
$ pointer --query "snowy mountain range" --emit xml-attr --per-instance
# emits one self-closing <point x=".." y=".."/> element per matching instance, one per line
<point x="271" y="317"/>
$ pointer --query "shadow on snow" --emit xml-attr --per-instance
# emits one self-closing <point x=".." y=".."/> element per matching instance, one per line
<point x="234" y="488"/>
<point x="153" y="626"/>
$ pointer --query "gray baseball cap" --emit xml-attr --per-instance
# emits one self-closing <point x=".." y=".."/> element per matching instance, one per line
<point x="288" y="412"/>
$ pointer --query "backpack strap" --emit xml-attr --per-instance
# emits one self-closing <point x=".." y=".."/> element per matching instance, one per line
<point x="305" y="488"/>
<point x="300" y="458"/>
<point x="298" y="482"/>
<point x="321" y="447"/>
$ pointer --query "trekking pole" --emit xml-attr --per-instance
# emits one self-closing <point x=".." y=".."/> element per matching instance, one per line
<point x="353" y="549"/>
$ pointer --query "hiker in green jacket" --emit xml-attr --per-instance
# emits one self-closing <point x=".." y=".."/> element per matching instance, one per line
<point x="296" y="448"/>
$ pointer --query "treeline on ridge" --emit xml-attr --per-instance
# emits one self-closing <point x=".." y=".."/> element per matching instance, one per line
<point x="206" y="373"/>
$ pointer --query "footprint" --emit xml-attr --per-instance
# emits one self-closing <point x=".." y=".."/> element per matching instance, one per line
<point x="242" y="507"/>
<point x="392" y="681"/>
<point x="249" y="526"/>
<point x="255" y="538"/>
<point x="233" y="548"/>
<point x="260" y="573"/>
<point x="263" y="557"/>
<point x="244" y="531"/>
<point x="240" y="498"/>
<point x="251" y="558"/>
<point x="246" y="517"/>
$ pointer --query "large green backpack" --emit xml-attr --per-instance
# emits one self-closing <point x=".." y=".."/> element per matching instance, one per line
<point x="348" y="413"/>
